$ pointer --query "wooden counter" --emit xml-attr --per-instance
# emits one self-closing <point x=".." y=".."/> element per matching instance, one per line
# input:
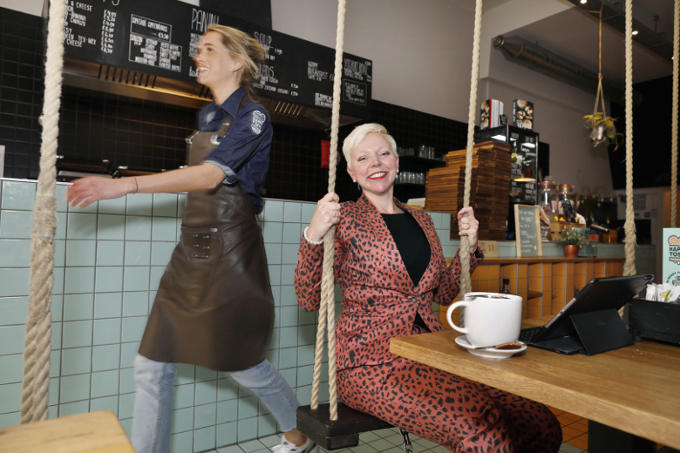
<point x="546" y="284"/>
<point x="91" y="432"/>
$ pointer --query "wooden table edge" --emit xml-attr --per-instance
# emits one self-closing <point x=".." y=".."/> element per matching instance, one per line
<point x="666" y="432"/>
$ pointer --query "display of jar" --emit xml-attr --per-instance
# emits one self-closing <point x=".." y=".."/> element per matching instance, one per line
<point x="567" y="202"/>
<point x="547" y="196"/>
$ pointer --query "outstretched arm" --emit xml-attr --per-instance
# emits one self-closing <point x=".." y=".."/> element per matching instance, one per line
<point x="85" y="191"/>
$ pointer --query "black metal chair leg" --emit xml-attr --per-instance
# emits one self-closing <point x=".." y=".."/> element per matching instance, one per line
<point x="408" y="448"/>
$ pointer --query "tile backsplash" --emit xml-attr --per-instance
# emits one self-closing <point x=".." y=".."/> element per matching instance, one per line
<point x="109" y="258"/>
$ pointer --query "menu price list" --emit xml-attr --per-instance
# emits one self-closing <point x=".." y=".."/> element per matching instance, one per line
<point x="161" y="36"/>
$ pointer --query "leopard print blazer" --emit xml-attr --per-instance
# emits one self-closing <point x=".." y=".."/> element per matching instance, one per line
<point x="379" y="298"/>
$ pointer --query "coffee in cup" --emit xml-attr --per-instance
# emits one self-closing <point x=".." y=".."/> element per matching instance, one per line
<point x="490" y="318"/>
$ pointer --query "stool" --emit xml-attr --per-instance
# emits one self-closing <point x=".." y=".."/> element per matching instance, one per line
<point x="344" y="432"/>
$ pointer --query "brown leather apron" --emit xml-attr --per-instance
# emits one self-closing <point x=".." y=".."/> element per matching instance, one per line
<point x="214" y="305"/>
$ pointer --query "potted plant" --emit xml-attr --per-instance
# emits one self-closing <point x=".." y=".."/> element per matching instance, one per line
<point x="602" y="130"/>
<point x="571" y="240"/>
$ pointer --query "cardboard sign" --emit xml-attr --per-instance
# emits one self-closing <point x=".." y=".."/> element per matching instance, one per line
<point x="671" y="256"/>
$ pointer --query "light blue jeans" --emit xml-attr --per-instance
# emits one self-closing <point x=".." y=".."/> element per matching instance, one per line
<point x="155" y="384"/>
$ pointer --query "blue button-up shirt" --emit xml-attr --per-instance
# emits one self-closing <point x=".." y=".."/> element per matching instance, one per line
<point x="243" y="154"/>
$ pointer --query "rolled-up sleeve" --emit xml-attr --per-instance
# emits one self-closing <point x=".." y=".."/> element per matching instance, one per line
<point x="244" y="138"/>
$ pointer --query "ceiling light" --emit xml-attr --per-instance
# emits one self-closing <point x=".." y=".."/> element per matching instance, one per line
<point x="583" y="2"/>
<point x="635" y="32"/>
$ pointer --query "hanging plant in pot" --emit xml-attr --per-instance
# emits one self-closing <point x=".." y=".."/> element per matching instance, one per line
<point x="572" y="239"/>
<point x="602" y="128"/>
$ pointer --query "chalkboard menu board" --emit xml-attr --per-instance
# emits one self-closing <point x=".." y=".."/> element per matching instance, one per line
<point x="160" y="36"/>
<point x="527" y="231"/>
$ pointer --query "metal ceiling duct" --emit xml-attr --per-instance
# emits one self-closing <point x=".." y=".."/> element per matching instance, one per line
<point x="535" y="57"/>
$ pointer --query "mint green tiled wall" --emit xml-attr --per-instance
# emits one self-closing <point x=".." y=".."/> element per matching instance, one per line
<point x="109" y="259"/>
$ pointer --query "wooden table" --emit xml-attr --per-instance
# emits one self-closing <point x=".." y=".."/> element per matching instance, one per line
<point x="635" y="389"/>
<point x="98" y="432"/>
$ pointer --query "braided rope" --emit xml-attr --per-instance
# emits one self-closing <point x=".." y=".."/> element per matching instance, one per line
<point x="629" y="225"/>
<point x="464" y="254"/>
<point x="327" y="308"/>
<point x="34" y="395"/>
<point x="674" y="120"/>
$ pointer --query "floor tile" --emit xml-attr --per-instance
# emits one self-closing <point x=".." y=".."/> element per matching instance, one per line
<point x="391" y="441"/>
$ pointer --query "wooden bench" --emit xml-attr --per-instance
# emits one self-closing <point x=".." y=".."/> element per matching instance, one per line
<point x="94" y="431"/>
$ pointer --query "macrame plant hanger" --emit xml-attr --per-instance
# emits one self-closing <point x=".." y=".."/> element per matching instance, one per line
<point x="327" y="308"/>
<point x="599" y="95"/>
<point x="34" y="397"/>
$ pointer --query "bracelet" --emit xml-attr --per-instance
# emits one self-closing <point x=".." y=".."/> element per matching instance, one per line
<point x="304" y="233"/>
<point x="136" y="185"/>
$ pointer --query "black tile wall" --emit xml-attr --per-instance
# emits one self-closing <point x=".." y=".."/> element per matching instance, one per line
<point x="21" y="88"/>
<point x="148" y="135"/>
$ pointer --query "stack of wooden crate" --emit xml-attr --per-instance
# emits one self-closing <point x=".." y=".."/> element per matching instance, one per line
<point x="490" y="184"/>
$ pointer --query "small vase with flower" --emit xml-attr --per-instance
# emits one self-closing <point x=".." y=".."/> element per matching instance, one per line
<point x="572" y="239"/>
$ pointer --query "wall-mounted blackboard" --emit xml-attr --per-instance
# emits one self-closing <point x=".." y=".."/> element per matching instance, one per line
<point x="160" y="36"/>
<point x="527" y="231"/>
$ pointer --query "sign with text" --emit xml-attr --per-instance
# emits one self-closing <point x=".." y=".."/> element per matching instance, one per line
<point x="527" y="231"/>
<point x="671" y="256"/>
<point x="160" y="37"/>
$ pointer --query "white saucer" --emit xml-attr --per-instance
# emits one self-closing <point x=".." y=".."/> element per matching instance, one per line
<point x="489" y="353"/>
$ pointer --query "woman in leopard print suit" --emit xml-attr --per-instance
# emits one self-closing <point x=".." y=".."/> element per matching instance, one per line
<point x="390" y="266"/>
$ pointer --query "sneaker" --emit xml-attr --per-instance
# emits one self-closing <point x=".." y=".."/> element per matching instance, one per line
<point x="287" y="447"/>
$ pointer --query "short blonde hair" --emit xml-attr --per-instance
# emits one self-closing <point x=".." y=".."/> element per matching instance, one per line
<point x="359" y="133"/>
<point x="242" y="45"/>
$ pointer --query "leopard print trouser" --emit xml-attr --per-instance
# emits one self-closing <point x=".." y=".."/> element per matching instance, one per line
<point x="462" y="415"/>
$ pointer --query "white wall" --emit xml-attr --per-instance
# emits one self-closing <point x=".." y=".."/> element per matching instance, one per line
<point x="558" y="113"/>
<point x="421" y="50"/>
<point x="510" y="16"/>
<point x="33" y="7"/>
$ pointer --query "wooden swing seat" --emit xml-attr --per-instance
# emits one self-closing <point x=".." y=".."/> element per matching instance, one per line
<point x="342" y="433"/>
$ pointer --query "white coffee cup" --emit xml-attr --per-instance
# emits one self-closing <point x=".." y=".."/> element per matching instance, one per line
<point x="490" y="318"/>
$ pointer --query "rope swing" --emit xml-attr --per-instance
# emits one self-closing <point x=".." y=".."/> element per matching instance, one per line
<point x="34" y="397"/>
<point x="464" y="253"/>
<point x="327" y="307"/>
<point x="629" y="225"/>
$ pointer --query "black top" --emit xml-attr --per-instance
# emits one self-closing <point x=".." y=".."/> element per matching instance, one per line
<point x="411" y="243"/>
<point x="413" y="247"/>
